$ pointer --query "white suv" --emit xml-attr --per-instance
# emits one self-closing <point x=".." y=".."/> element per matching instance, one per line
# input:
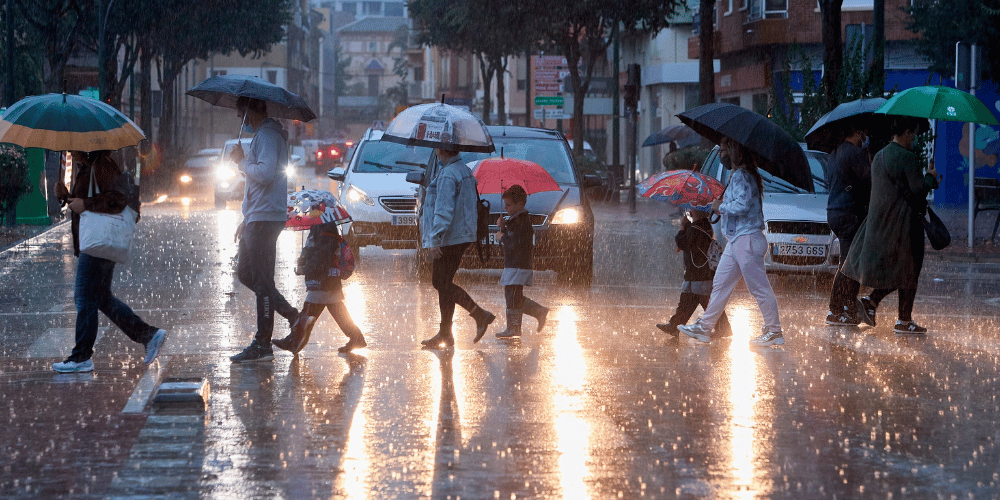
<point x="374" y="190"/>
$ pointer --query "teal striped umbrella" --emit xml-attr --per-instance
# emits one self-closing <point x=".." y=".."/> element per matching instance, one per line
<point x="66" y="122"/>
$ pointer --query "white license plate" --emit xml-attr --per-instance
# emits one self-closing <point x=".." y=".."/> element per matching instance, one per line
<point x="404" y="220"/>
<point x="799" y="250"/>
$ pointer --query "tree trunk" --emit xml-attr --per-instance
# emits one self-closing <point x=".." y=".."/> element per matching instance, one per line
<point x="145" y="89"/>
<point x="706" y="55"/>
<point x="486" y="71"/>
<point x="878" y="43"/>
<point x="501" y="68"/>
<point x="833" y="50"/>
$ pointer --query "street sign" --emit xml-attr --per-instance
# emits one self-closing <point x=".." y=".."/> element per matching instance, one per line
<point x="550" y="100"/>
<point x="551" y="114"/>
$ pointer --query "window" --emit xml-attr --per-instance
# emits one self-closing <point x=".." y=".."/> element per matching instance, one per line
<point x="393" y="9"/>
<point x="272" y="76"/>
<point x="372" y="46"/>
<point x="350" y="8"/>
<point x="373" y="8"/>
<point x="767" y="9"/>
<point x="418" y="73"/>
<point x="373" y="85"/>
<point x="520" y="85"/>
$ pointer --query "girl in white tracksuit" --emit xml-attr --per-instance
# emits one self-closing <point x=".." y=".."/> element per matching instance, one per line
<point x="743" y="257"/>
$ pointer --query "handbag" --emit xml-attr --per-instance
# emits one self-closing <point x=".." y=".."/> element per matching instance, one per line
<point x="106" y="236"/>
<point x="714" y="253"/>
<point x="936" y="231"/>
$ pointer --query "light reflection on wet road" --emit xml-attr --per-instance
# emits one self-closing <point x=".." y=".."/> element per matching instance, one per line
<point x="598" y="405"/>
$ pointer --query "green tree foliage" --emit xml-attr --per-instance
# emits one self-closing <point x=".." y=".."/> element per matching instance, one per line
<point x="942" y="23"/>
<point x="14" y="182"/>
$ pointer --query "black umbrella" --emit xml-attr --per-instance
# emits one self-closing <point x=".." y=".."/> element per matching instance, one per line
<point x="224" y="90"/>
<point x="821" y="135"/>
<point x="762" y="136"/>
<point x="681" y="134"/>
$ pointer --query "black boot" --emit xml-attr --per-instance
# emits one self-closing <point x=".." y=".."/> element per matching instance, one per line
<point x="442" y="339"/>
<point x="513" y="325"/>
<point x="535" y="310"/>
<point x="483" y="319"/>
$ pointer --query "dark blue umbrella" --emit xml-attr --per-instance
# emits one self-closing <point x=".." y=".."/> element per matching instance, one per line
<point x="224" y="90"/>
<point x="681" y="134"/>
<point x="821" y="132"/>
<point x="785" y="158"/>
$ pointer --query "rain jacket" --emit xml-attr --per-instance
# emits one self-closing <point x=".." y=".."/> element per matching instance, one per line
<point x="888" y="250"/>
<point x="850" y="179"/>
<point x="693" y="239"/>
<point x="316" y="258"/>
<point x="113" y="185"/>
<point x="267" y="185"/>
<point x="741" y="209"/>
<point x="448" y="215"/>
<point x="517" y="241"/>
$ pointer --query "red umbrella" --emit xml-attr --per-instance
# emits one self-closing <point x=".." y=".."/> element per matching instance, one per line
<point x="686" y="189"/>
<point x="497" y="174"/>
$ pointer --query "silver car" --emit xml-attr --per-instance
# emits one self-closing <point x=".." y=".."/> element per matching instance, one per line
<point x="799" y="239"/>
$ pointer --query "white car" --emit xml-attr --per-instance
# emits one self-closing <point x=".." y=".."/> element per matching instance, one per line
<point x="374" y="190"/>
<point x="799" y="239"/>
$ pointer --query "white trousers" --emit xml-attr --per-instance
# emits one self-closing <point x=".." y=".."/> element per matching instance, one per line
<point x="743" y="257"/>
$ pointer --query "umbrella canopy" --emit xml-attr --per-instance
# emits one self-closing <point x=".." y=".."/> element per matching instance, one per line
<point x="823" y="130"/>
<point x="224" y="90"/>
<point x="941" y="103"/>
<point x="681" y="134"/>
<point x="494" y="175"/>
<point x="762" y="136"/>
<point x="66" y="122"/>
<point x="685" y="189"/>
<point x="439" y="125"/>
<point x="312" y="207"/>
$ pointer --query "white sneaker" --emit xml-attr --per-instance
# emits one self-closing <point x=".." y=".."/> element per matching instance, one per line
<point x="73" y="367"/>
<point x="695" y="331"/>
<point x="153" y="346"/>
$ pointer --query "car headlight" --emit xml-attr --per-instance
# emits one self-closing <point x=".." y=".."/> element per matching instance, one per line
<point x="225" y="172"/>
<point x="354" y="194"/>
<point x="185" y="179"/>
<point x="569" y="215"/>
<point x="290" y="170"/>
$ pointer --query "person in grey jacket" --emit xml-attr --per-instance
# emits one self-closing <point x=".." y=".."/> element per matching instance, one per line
<point x="264" y="215"/>
<point x="448" y="219"/>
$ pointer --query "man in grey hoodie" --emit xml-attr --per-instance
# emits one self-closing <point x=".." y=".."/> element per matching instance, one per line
<point x="264" y="215"/>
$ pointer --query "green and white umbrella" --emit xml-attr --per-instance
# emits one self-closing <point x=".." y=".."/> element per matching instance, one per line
<point x="941" y="103"/>
<point x="66" y="122"/>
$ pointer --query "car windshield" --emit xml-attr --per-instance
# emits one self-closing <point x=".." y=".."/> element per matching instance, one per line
<point x="772" y="184"/>
<point x="385" y="156"/>
<point x="551" y="154"/>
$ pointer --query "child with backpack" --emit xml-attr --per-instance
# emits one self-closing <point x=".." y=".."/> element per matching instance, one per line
<point x="695" y="240"/>
<point x="326" y="260"/>
<point x="517" y="237"/>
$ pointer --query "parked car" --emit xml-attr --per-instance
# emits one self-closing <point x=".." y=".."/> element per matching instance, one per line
<point x="563" y="220"/>
<point x="330" y="155"/>
<point x="198" y="169"/>
<point x="799" y="239"/>
<point x="374" y="190"/>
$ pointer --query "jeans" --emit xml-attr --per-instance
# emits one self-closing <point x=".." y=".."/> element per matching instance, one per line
<point x="442" y="273"/>
<point x="92" y="293"/>
<point x="255" y="269"/>
<point x="742" y="258"/>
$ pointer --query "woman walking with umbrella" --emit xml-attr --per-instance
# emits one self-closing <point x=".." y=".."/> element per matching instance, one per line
<point x="743" y="257"/>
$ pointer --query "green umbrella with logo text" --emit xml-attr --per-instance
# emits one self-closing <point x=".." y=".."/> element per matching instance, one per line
<point x="940" y="103"/>
<point x="67" y="122"/>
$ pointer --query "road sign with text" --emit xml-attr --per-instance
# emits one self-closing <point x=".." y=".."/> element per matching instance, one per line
<point x="550" y="100"/>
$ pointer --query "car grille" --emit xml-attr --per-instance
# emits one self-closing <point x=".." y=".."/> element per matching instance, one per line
<point x="399" y="204"/>
<point x="536" y="219"/>
<point x="797" y="260"/>
<point x="797" y="227"/>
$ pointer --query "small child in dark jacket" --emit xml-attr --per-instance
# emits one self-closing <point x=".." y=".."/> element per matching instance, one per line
<point x="517" y="237"/>
<point x="694" y="239"/>
<point x="324" y="290"/>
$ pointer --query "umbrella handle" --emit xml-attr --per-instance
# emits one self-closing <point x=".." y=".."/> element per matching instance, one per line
<point x="240" y="136"/>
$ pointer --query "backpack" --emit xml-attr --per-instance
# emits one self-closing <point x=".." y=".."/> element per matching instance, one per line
<point x="343" y="259"/>
<point x="482" y="225"/>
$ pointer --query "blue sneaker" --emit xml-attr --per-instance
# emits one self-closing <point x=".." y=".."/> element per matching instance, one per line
<point x="70" y="366"/>
<point x="153" y="346"/>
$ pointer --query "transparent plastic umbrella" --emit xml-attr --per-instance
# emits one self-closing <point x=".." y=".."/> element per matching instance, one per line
<point x="439" y="125"/>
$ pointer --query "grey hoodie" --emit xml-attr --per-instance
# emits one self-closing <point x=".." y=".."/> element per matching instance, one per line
<point x="266" y="196"/>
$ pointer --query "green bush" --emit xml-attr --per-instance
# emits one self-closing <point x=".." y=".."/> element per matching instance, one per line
<point x="14" y="181"/>
<point x="685" y="158"/>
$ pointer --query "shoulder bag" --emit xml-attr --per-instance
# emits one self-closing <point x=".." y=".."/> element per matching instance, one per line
<point x="714" y="253"/>
<point x="936" y="231"/>
<point x="106" y="236"/>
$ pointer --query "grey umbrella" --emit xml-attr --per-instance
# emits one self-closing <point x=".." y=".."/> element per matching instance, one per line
<point x="224" y="90"/>
<point x="820" y="135"/>
<point x="681" y="134"/>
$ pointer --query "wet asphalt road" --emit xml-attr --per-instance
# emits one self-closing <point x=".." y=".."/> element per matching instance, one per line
<point x="598" y="405"/>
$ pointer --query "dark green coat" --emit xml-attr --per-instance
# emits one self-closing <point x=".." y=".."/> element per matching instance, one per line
<point x="888" y="250"/>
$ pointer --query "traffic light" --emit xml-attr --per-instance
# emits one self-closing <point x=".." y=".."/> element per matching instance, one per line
<point x="632" y="85"/>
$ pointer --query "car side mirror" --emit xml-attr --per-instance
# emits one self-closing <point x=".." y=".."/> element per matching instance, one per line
<point x="336" y="173"/>
<point x="591" y="180"/>
<point x="415" y="177"/>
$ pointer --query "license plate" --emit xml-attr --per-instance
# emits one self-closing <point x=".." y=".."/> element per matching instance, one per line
<point x="493" y="240"/>
<point x="404" y="220"/>
<point x="799" y="250"/>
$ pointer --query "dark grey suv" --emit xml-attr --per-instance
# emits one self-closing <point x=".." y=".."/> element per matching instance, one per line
<point x="563" y="220"/>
